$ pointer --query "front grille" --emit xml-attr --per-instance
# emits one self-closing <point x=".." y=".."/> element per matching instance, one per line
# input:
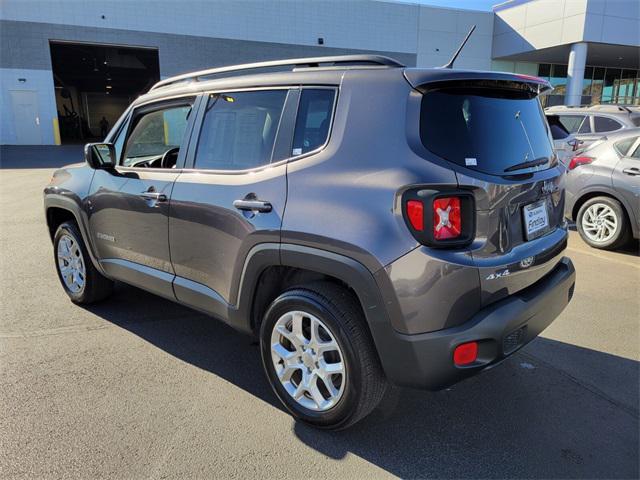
<point x="512" y="341"/>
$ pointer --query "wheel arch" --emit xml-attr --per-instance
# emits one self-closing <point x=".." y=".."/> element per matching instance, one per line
<point x="60" y="209"/>
<point x="268" y="267"/>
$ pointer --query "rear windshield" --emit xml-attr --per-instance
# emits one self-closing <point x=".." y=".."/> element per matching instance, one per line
<point x="494" y="131"/>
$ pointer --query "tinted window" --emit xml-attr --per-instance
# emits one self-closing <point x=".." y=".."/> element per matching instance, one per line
<point x="239" y="130"/>
<point x="586" y="126"/>
<point x="623" y="146"/>
<point x="604" y="124"/>
<point x="155" y="133"/>
<point x="487" y="130"/>
<point x="314" y="118"/>
<point x="636" y="153"/>
<point x="558" y="131"/>
<point x="571" y="122"/>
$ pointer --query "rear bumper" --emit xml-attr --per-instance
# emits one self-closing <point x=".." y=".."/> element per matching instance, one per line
<point x="426" y="360"/>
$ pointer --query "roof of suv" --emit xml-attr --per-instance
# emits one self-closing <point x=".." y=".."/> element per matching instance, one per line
<point x="312" y="71"/>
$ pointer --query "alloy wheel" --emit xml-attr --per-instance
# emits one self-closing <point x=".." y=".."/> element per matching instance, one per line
<point x="71" y="263"/>
<point x="599" y="223"/>
<point x="308" y="361"/>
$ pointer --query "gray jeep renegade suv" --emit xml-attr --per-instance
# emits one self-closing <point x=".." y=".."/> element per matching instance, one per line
<point x="370" y="223"/>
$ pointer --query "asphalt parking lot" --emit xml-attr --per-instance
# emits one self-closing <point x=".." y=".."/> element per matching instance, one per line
<point x="138" y="387"/>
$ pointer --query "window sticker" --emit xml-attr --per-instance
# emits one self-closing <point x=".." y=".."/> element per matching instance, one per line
<point x="297" y="151"/>
<point x="470" y="162"/>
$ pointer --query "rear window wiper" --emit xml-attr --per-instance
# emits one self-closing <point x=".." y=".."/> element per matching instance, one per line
<point x="531" y="163"/>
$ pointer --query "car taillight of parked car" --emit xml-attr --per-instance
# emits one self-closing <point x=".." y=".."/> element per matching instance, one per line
<point x="440" y="219"/>
<point x="577" y="161"/>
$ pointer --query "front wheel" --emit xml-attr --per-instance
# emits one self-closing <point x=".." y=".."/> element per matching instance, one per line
<point x="79" y="278"/>
<point x="602" y="223"/>
<point x="319" y="357"/>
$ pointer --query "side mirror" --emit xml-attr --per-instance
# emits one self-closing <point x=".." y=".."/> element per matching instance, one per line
<point x="100" y="156"/>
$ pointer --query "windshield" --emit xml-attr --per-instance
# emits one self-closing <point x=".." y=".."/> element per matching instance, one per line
<point x="494" y="131"/>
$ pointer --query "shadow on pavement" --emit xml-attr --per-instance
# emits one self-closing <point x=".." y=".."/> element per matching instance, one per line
<point x="525" y="418"/>
<point x="39" y="156"/>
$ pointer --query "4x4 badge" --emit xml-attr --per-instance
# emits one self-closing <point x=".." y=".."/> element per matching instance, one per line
<point x="497" y="275"/>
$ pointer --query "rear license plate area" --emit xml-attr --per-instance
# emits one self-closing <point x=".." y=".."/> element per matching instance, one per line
<point x="535" y="217"/>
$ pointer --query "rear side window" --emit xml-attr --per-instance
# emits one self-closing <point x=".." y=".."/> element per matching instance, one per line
<point x="623" y="146"/>
<point x="491" y="130"/>
<point x="605" y="124"/>
<point x="314" y="119"/>
<point x="558" y="132"/>
<point x="572" y="122"/>
<point x="239" y="130"/>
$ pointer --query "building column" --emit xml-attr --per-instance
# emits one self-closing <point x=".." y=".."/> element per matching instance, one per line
<point x="575" y="73"/>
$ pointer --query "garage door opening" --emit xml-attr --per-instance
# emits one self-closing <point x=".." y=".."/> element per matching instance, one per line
<point x="94" y="84"/>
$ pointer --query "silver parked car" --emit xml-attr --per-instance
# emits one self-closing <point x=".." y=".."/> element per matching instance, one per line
<point x="565" y="144"/>
<point x="588" y="124"/>
<point x="603" y="190"/>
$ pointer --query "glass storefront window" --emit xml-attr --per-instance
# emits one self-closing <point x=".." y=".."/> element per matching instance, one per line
<point x="611" y="85"/>
<point x="596" y="86"/>
<point x="600" y="84"/>
<point x="627" y="86"/>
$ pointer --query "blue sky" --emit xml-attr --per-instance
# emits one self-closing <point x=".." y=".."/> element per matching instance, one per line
<point x="468" y="4"/>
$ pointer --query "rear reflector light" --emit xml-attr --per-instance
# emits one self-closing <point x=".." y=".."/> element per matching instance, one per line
<point x="415" y="213"/>
<point x="447" y="221"/>
<point x="577" y="161"/>
<point x="465" y="354"/>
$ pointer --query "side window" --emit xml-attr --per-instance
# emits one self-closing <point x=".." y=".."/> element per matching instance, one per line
<point x="118" y="143"/>
<point x="155" y="133"/>
<point x="586" y="126"/>
<point x="604" y="124"/>
<point x="571" y="122"/>
<point x="636" y="153"/>
<point x="314" y="119"/>
<point x="239" y="130"/>
<point x="623" y="146"/>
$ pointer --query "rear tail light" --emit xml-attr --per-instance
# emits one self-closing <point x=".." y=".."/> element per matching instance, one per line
<point x="465" y="354"/>
<point x="415" y="213"/>
<point x="440" y="219"/>
<point x="577" y="161"/>
<point x="447" y="220"/>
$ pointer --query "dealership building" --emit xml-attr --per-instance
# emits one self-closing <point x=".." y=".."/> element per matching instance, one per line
<point x="68" y="68"/>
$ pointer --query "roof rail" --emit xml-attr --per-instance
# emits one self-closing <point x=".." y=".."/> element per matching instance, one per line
<point x="296" y="62"/>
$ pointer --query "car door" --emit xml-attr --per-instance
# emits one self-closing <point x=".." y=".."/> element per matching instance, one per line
<point x="626" y="180"/>
<point x="232" y="195"/>
<point x="128" y="207"/>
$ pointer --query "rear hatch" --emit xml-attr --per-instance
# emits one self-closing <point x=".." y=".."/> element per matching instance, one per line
<point x="491" y="130"/>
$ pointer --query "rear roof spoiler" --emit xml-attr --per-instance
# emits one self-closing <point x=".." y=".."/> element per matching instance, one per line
<point x="420" y="78"/>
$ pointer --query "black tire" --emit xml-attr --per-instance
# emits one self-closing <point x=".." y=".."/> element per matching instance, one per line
<point x="96" y="286"/>
<point x="337" y="308"/>
<point x="622" y="232"/>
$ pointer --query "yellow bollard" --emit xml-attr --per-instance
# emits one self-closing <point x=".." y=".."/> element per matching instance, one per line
<point x="56" y="131"/>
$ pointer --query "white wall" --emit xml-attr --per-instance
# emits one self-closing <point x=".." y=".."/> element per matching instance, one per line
<point x="441" y="30"/>
<point x="352" y="24"/>
<point x="40" y="81"/>
<point x="537" y="24"/>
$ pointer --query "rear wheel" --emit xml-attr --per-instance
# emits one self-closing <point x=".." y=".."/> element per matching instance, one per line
<point x="319" y="357"/>
<point x="602" y="223"/>
<point x="79" y="278"/>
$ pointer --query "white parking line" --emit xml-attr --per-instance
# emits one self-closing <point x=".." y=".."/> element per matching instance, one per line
<point x="606" y="258"/>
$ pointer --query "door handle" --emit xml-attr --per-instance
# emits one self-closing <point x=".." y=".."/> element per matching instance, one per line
<point x="631" y="171"/>
<point x="157" y="196"/>
<point x="253" y="205"/>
